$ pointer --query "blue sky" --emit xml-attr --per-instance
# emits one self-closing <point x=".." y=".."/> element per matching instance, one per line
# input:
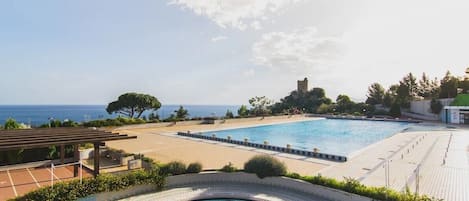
<point x="220" y="52"/>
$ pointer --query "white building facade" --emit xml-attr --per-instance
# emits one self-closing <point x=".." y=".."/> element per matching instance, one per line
<point x="455" y="114"/>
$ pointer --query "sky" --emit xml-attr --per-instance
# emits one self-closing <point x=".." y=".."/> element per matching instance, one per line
<point x="221" y="51"/>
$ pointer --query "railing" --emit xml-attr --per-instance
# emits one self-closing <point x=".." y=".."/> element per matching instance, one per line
<point x="287" y="149"/>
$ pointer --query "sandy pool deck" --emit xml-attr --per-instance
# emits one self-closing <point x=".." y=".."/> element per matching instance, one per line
<point x="442" y="156"/>
<point x="161" y="144"/>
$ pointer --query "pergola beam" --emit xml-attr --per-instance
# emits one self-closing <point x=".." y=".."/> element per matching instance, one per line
<point x="44" y="137"/>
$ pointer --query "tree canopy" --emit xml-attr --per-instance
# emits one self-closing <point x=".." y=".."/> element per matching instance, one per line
<point x="181" y="113"/>
<point x="375" y="94"/>
<point x="428" y="88"/>
<point x="243" y="111"/>
<point x="449" y="86"/>
<point x="260" y="105"/>
<point x="133" y="104"/>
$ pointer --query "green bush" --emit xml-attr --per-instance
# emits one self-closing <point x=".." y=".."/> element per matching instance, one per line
<point x="353" y="186"/>
<point x="194" y="168"/>
<point x="174" y="168"/>
<point x="119" y="121"/>
<point x="229" y="168"/>
<point x="265" y="166"/>
<point x="73" y="190"/>
<point x="395" y="110"/>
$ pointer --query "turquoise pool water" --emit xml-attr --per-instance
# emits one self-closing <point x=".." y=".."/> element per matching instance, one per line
<point x="332" y="136"/>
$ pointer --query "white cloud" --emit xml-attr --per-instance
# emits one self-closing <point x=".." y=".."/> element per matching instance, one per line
<point x="234" y="13"/>
<point x="249" y="73"/>
<point x="218" y="38"/>
<point x="256" y="25"/>
<point x="300" y="51"/>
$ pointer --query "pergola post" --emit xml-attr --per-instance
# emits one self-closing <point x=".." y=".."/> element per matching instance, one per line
<point x="62" y="154"/>
<point x="76" y="158"/>
<point x="96" y="158"/>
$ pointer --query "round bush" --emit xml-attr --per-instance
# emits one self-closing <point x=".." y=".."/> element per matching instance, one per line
<point x="265" y="166"/>
<point x="174" y="168"/>
<point x="228" y="168"/>
<point x="194" y="168"/>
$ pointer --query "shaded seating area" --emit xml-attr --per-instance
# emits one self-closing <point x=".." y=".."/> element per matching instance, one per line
<point x="45" y="137"/>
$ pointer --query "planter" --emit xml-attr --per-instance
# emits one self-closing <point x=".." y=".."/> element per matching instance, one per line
<point x="86" y="153"/>
<point x="134" y="164"/>
<point x="125" y="159"/>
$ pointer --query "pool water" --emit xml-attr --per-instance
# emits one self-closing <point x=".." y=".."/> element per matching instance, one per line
<point x="331" y="136"/>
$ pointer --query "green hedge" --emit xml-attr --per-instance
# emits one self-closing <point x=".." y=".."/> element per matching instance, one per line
<point x="229" y="168"/>
<point x="119" y="121"/>
<point x="194" y="168"/>
<point x="73" y="190"/>
<point x="173" y="168"/>
<point x="355" y="187"/>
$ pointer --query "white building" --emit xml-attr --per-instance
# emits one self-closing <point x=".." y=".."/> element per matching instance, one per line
<point x="455" y="114"/>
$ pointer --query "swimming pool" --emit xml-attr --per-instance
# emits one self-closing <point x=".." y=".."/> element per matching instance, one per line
<point x="332" y="136"/>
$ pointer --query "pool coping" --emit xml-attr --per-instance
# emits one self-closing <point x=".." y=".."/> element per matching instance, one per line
<point x="253" y="149"/>
<point x="315" y="118"/>
<point x="289" y="150"/>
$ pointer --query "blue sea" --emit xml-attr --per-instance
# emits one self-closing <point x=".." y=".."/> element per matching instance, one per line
<point x="36" y="115"/>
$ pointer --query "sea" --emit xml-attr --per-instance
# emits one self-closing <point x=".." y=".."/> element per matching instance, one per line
<point x="36" y="115"/>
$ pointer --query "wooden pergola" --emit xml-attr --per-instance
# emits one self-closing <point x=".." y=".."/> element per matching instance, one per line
<point x="45" y="137"/>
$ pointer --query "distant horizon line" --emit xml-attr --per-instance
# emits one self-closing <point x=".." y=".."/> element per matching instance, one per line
<point x="106" y="104"/>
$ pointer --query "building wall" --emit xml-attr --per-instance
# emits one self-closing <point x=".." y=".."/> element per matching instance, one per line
<point x="422" y="108"/>
<point x="303" y="85"/>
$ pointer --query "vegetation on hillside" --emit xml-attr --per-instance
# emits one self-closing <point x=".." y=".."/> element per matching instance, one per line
<point x="395" y="98"/>
<point x="297" y="102"/>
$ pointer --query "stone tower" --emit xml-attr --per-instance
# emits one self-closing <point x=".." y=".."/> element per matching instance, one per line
<point x="303" y="85"/>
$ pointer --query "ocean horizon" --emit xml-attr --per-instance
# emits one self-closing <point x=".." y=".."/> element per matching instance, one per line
<point x="36" y="115"/>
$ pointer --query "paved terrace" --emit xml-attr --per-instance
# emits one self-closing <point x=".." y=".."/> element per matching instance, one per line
<point x="20" y="181"/>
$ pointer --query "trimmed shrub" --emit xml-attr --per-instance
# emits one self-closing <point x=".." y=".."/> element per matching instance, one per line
<point x="265" y="166"/>
<point x="229" y="168"/>
<point x="174" y="168"/>
<point x="194" y="168"/>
